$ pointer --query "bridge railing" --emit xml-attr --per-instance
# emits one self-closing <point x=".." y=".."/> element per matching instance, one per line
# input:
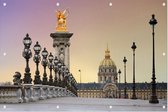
<point x="31" y="93"/>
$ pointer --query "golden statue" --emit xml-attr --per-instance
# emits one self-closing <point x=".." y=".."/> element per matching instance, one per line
<point x="61" y="20"/>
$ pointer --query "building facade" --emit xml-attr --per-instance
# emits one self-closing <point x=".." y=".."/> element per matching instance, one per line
<point x="108" y="86"/>
<point x="100" y="90"/>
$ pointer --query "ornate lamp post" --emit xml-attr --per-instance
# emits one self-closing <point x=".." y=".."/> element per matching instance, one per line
<point x="59" y="73"/>
<point x="37" y="58"/>
<point x="153" y="98"/>
<point x="56" y="71"/>
<point x="80" y="78"/>
<point x="44" y="63"/>
<point x="125" y="87"/>
<point x="66" y="78"/>
<point x="50" y="66"/>
<point x="116" y="83"/>
<point x="119" y="72"/>
<point x="63" y="67"/>
<point x="133" y="88"/>
<point x="27" y="54"/>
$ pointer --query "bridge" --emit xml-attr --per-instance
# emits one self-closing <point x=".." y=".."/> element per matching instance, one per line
<point x="75" y="104"/>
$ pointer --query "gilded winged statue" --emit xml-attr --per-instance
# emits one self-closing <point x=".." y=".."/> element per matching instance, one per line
<point x="61" y="20"/>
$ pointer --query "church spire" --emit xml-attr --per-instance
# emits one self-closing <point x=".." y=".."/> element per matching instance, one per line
<point x="107" y="53"/>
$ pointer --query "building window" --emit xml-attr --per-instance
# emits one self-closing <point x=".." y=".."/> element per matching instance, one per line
<point x="104" y="78"/>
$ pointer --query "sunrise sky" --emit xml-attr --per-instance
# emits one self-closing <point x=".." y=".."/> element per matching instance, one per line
<point x="95" y="23"/>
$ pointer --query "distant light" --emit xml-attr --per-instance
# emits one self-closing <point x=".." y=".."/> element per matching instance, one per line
<point x="164" y="4"/>
<point x="164" y="54"/>
<point x="4" y="4"/>
<point x="164" y="106"/>
<point x="110" y="107"/>
<point x="110" y="4"/>
<point x="58" y="4"/>
<point x="57" y="106"/>
<point x="4" y="54"/>
<point x="4" y="106"/>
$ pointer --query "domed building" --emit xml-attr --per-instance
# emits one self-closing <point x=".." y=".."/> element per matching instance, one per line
<point x="107" y="70"/>
<point x="107" y="80"/>
<point x="108" y="86"/>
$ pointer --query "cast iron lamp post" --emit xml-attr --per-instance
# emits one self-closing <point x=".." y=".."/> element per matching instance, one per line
<point x="133" y="87"/>
<point x="37" y="58"/>
<point x="116" y="84"/>
<point x="56" y="71"/>
<point x="119" y="72"/>
<point x="63" y="67"/>
<point x="59" y="73"/>
<point x="68" y="81"/>
<point x="27" y="54"/>
<point x="65" y="80"/>
<point x="125" y="88"/>
<point x="153" y="98"/>
<point x="44" y="64"/>
<point x="50" y="66"/>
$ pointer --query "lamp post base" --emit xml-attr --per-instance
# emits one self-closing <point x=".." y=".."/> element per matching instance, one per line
<point x="27" y="78"/>
<point x="153" y="99"/>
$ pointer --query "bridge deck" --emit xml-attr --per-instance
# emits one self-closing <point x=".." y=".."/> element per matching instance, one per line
<point x="71" y="104"/>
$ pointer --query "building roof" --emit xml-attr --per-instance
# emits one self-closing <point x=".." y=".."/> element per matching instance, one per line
<point x="90" y="86"/>
<point x="139" y="86"/>
<point x="107" y="61"/>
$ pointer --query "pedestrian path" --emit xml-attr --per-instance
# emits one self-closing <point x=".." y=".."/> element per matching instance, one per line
<point x="74" y="104"/>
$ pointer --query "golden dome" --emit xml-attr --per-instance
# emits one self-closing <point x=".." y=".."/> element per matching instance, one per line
<point x="107" y="61"/>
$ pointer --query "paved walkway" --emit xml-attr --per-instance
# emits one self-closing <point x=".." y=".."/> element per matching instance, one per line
<point x="71" y="104"/>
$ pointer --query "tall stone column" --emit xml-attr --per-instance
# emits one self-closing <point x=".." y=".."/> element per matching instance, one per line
<point x="61" y="44"/>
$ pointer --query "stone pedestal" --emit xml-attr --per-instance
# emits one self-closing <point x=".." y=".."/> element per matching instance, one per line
<point x="38" y="92"/>
<point x="57" y="91"/>
<point x="28" y="93"/>
<point x="51" y="92"/>
<point x="61" y="45"/>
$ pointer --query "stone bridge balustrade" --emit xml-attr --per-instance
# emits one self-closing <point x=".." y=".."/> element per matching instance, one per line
<point x="10" y="94"/>
<point x="31" y="93"/>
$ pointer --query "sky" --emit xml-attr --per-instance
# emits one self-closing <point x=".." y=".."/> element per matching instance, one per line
<point x="94" y="24"/>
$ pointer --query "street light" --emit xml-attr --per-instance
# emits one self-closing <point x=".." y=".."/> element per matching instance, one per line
<point x="27" y="41"/>
<point x="80" y="78"/>
<point x="56" y="71"/>
<point x="63" y="69"/>
<point x="59" y="73"/>
<point x="119" y="72"/>
<point x="65" y="80"/>
<point x="50" y="66"/>
<point x="116" y="84"/>
<point x="133" y="87"/>
<point x="27" y="54"/>
<point x="153" y="98"/>
<point x="37" y="58"/>
<point x="44" y="64"/>
<point x="125" y="88"/>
